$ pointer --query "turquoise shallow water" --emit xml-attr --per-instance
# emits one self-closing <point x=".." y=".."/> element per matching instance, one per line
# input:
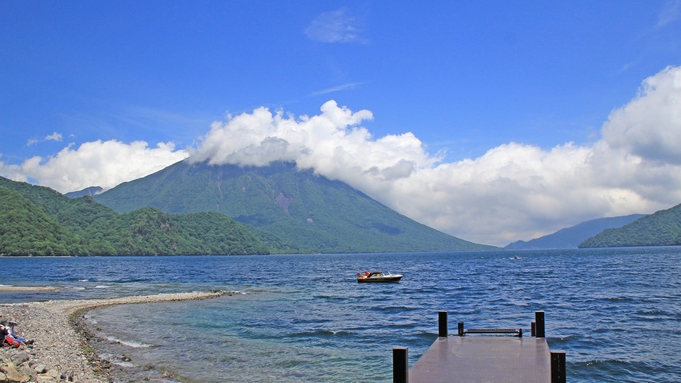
<point x="616" y="312"/>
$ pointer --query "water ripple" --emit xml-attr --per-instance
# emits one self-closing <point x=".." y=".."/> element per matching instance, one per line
<point x="616" y="312"/>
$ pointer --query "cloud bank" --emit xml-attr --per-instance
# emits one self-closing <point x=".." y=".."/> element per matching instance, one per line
<point x="514" y="191"/>
<point x="98" y="163"/>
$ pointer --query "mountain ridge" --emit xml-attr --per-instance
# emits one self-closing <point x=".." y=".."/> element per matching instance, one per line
<point x="662" y="228"/>
<point x="571" y="237"/>
<point x="305" y="211"/>
<point x="91" y="191"/>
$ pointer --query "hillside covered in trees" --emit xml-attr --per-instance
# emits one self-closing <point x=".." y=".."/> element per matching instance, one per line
<point x="291" y="210"/>
<point x="39" y="221"/>
<point x="660" y="229"/>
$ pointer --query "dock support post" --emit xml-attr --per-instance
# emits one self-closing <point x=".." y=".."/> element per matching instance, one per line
<point x="442" y="324"/>
<point x="540" y="329"/>
<point x="558" y="373"/>
<point x="533" y="329"/>
<point x="460" y="329"/>
<point x="400" y="364"/>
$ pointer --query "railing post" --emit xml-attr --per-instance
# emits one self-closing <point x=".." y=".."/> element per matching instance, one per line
<point x="539" y="318"/>
<point x="558" y="373"/>
<point x="400" y="364"/>
<point x="442" y="324"/>
<point x="460" y="329"/>
<point x="533" y="329"/>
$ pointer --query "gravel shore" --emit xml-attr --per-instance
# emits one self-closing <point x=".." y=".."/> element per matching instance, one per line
<point x="61" y="351"/>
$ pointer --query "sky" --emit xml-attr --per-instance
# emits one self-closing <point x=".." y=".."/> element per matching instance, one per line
<point x="492" y="121"/>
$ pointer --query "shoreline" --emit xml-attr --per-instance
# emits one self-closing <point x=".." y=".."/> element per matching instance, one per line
<point x="62" y="337"/>
<point x="10" y="289"/>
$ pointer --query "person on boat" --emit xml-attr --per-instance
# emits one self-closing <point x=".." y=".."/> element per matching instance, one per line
<point x="368" y="274"/>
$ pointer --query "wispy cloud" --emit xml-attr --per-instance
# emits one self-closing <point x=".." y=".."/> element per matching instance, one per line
<point x="657" y="36"/>
<point x="54" y="137"/>
<point x="626" y="67"/>
<point x="50" y="137"/>
<point x="337" y="26"/>
<point x="181" y="128"/>
<point x="670" y="13"/>
<point x="338" y="88"/>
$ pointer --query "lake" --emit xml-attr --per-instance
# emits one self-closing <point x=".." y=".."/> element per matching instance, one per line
<point x="615" y="312"/>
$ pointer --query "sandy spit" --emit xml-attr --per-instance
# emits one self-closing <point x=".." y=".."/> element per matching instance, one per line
<point x="61" y="338"/>
<point x="4" y="288"/>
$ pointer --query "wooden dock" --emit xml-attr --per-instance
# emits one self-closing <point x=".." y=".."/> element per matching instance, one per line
<point x="471" y="358"/>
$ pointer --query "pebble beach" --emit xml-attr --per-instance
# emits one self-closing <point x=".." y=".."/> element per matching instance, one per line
<point x="61" y="352"/>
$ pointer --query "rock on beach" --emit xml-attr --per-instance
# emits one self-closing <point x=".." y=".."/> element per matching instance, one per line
<point x="61" y="352"/>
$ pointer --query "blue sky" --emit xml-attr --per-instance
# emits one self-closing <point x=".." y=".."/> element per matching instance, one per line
<point x="86" y="84"/>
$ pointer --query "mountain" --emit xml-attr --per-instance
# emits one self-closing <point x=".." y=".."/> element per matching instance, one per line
<point x="37" y="220"/>
<point x="660" y="229"/>
<point x="25" y="229"/>
<point x="290" y="210"/>
<point x="91" y="191"/>
<point x="571" y="237"/>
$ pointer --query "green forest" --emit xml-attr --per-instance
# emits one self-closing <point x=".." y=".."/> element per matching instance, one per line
<point x="660" y="229"/>
<point x="38" y="221"/>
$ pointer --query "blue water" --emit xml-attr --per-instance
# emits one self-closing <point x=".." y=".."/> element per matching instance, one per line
<point x="615" y="312"/>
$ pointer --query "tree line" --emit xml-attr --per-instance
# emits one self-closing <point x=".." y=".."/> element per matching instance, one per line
<point x="38" y="221"/>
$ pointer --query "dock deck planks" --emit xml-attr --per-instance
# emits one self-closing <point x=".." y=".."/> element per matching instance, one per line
<point x="478" y="359"/>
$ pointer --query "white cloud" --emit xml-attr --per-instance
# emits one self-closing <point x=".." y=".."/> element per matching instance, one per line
<point x="650" y="125"/>
<point x="98" y="163"/>
<point x="54" y="137"/>
<point x="334" y="27"/>
<point x="514" y="191"/>
<point x="50" y="137"/>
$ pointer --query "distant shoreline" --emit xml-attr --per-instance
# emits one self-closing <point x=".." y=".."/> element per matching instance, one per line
<point x="60" y="335"/>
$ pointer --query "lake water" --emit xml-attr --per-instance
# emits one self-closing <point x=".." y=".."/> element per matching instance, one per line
<point x="615" y="312"/>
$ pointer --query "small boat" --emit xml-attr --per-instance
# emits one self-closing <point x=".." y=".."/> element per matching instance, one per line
<point x="378" y="277"/>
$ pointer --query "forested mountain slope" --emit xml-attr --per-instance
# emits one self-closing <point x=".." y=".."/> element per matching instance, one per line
<point x="36" y="220"/>
<point x="660" y="229"/>
<point x="292" y="211"/>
